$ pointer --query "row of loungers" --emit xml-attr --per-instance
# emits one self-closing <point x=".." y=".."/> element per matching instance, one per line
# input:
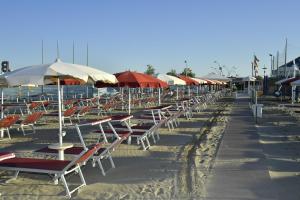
<point x="118" y="128"/>
<point x="11" y="121"/>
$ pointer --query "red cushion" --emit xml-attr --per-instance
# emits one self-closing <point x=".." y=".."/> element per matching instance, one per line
<point x="33" y="163"/>
<point x="119" y="117"/>
<point x="72" y="150"/>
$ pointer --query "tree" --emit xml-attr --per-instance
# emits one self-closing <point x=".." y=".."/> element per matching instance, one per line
<point x="188" y="72"/>
<point x="172" y="72"/>
<point x="150" y="70"/>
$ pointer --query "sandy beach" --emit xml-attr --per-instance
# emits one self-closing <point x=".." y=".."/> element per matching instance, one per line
<point x="174" y="168"/>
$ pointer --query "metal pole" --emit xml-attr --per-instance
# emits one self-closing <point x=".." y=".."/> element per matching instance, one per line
<point x="129" y="101"/>
<point x="277" y="64"/>
<point x="2" y="112"/>
<point x="59" y="113"/>
<point x="159" y="100"/>
<point x="285" y="55"/>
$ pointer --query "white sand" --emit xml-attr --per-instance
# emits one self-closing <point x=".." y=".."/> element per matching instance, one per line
<point x="174" y="168"/>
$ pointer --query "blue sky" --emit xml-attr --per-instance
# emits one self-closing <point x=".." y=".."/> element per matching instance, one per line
<point x="129" y="34"/>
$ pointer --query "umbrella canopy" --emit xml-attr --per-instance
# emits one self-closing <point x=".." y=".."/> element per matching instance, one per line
<point x="200" y="81"/>
<point x="138" y="80"/>
<point x="188" y="80"/>
<point x="210" y="82"/>
<point x="48" y="74"/>
<point x="171" y="80"/>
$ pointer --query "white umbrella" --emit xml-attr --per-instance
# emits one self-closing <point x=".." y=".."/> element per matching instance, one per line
<point x="52" y="74"/>
<point x="200" y="81"/>
<point x="172" y="80"/>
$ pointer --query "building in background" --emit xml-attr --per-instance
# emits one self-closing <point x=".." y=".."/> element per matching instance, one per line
<point x="291" y="69"/>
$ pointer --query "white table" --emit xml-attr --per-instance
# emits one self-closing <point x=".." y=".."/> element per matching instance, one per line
<point x="60" y="148"/>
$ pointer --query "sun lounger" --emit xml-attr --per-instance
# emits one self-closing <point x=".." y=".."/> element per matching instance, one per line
<point x="29" y="121"/>
<point x="58" y="168"/>
<point x="6" y="123"/>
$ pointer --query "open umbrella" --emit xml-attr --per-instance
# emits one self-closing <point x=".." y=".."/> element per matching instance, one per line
<point x="56" y="73"/>
<point x="130" y="79"/>
<point x="189" y="82"/>
<point x="172" y="80"/>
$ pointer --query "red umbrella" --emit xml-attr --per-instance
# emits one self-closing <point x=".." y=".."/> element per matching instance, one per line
<point x="136" y="79"/>
<point x="188" y="80"/>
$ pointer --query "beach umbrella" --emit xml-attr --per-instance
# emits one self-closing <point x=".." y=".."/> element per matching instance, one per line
<point x="132" y="79"/>
<point x="172" y="80"/>
<point x="161" y="85"/>
<point x="189" y="82"/>
<point x="56" y="73"/>
<point x="201" y="82"/>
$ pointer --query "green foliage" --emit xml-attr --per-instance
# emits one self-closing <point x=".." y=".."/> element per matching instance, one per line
<point x="172" y="72"/>
<point x="188" y="72"/>
<point x="150" y="70"/>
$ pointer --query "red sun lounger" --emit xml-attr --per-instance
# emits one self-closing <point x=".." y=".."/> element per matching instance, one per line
<point x="58" y="168"/>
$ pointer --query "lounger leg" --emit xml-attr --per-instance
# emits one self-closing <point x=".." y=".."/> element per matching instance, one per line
<point x="81" y="176"/>
<point x="129" y="140"/>
<point x="101" y="166"/>
<point x="157" y="134"/>
<point x="143" y="144"/>
<point x="16" y="175"/>
<point x="148" y="143"/>
<point x="8" y="134"/>
<point x="55" y="179"/>
<point x="153" y="137"/>
<point x="111" y="161"/>
<point x="23" y="131"/>
<point x="68" y="194"/>
<point x="33" y="129"/>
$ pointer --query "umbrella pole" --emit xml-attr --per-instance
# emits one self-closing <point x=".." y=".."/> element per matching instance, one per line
<point x="62" y="97"/>
<point x="87" y="91"/>
<point x="189" y="91"/>
<point x="177" y="93"/>
<point x="2" y="114"/>
<point x="129" y="101"/>
<point x="2" y="101"/>
<point x="122" y="97"/>
<point x="159" y="100"/>
<point x="59" y="113"/>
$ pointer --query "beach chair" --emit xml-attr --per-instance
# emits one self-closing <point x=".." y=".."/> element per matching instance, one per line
<point x="29" y="121"/>
<point x="58" y="168"/>
<point x="83" y="111"/>
<point x="69" y="114"/>
<point x="6" y="123"/>
<point x="104" y="149"/>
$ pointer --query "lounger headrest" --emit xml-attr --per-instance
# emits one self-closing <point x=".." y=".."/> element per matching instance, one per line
<point x="6" y="155"/>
